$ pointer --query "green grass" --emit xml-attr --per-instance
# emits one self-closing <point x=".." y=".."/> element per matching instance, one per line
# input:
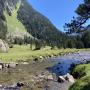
<point x="84" y="82"/>
<point x="13" y="23"/>
<point x="23" y="53"/>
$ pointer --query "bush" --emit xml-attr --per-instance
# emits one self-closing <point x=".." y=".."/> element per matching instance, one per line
<point x="78" y="72"/>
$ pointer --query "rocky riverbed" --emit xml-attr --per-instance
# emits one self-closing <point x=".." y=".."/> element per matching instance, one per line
<point x="50" y="74"/>
<point x="63" y="67"/>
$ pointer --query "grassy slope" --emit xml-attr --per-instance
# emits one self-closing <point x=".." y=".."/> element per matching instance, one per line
<point x="23" y="52"/>
<point x="13" y="23"/>
<point x="84" y="82"/>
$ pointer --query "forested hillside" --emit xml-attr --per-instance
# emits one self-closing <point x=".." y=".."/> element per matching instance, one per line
<point x="21" y="22"/>
<point x="17" y="17"/>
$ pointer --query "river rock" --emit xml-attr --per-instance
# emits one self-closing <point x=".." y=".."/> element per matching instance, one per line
<point x="12" y="65"/>
<point x="69" y="78"/>
<point x="20" y="84"/>
<point x="1" y="86"/>
<point x="2" y="64"/>
<point x="41" y="57"/>
<point x="61" y="79"/>
<point x="1" y="67"/>
<point x="3" y="46"/>
<point x="25" y="63"/>
<point x="50" y="77"/>
<point x="6" y="65"/>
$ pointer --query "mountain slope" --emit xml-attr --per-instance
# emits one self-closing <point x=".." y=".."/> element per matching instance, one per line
<point x="21" y="18"/>
<point x="3" y="26"/>
<point x="13" y="23"/>
<point x="14" y="27"/>
<point x="38" y="25"/>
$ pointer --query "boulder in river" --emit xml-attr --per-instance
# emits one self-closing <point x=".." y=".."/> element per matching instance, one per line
<point x="1" y="67"/>
<point x="61" y="79"/>
<point x="12" y="65"/>
<point x="3" y="46"/>
<point x="69" y="78"/>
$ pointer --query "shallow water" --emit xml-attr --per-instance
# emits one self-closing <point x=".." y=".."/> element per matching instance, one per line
<point x="28" y="73"/>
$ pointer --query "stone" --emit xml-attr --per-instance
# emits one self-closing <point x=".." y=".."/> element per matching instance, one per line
<point x="12" y="65"/>
<point x="1" y="86"/>
<point x="25" y="63"/>
<point x="6" y="65"/>
<point x="2" y="64"/>
<point x="41" y="76"/>
<point x="41" y="57"/>
<point x="3" y="46"/>
<point x="69" y="78"/>
<point x="61" y="79"/>
<point x="50" y="77"/>
<point x="1" y="67"/>
<point x="20" y="84"/>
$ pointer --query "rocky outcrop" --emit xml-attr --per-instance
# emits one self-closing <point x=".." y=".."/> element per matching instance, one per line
<point x="10" y="5"/>
<point x="3" y="46"/>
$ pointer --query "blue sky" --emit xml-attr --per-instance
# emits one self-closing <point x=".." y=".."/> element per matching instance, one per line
<point x="57" y="11"/>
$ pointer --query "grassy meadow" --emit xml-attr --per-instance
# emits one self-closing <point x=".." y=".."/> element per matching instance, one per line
<point x="24" y="52"/>
<point x="83" y="83"/>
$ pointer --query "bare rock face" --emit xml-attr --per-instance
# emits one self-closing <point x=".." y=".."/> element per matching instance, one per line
<point x="10" y="5"/>
<point x="3" y="46"/>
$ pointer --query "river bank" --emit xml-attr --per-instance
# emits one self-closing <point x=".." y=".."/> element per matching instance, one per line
<point x="37" y="75"/>
<point x="63" y="67"/>
<point x="23" y="52"/>
<point x="82" y="74"/>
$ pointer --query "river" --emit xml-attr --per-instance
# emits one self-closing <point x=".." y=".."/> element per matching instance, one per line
<point x="32" y="74"/>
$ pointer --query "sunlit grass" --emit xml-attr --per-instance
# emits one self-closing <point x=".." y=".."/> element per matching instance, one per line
<point x="84" y="82"/>
<point x="24" y="52"/>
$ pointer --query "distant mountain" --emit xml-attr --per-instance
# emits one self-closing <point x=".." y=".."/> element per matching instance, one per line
<point x="17" y="17"/>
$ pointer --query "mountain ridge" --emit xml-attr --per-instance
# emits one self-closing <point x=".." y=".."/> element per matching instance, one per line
<point x="20" y="14"/>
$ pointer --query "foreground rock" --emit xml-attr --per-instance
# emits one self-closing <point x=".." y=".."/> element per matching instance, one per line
<point x="3" y="46"/>
<point x="61" y="79"/>
<point x="70" y="78"/>
<point x="65" y="78"/>
<point x="12" y="65"/>
<point x="50" y="77"/>
<point x="1" y="67"/>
